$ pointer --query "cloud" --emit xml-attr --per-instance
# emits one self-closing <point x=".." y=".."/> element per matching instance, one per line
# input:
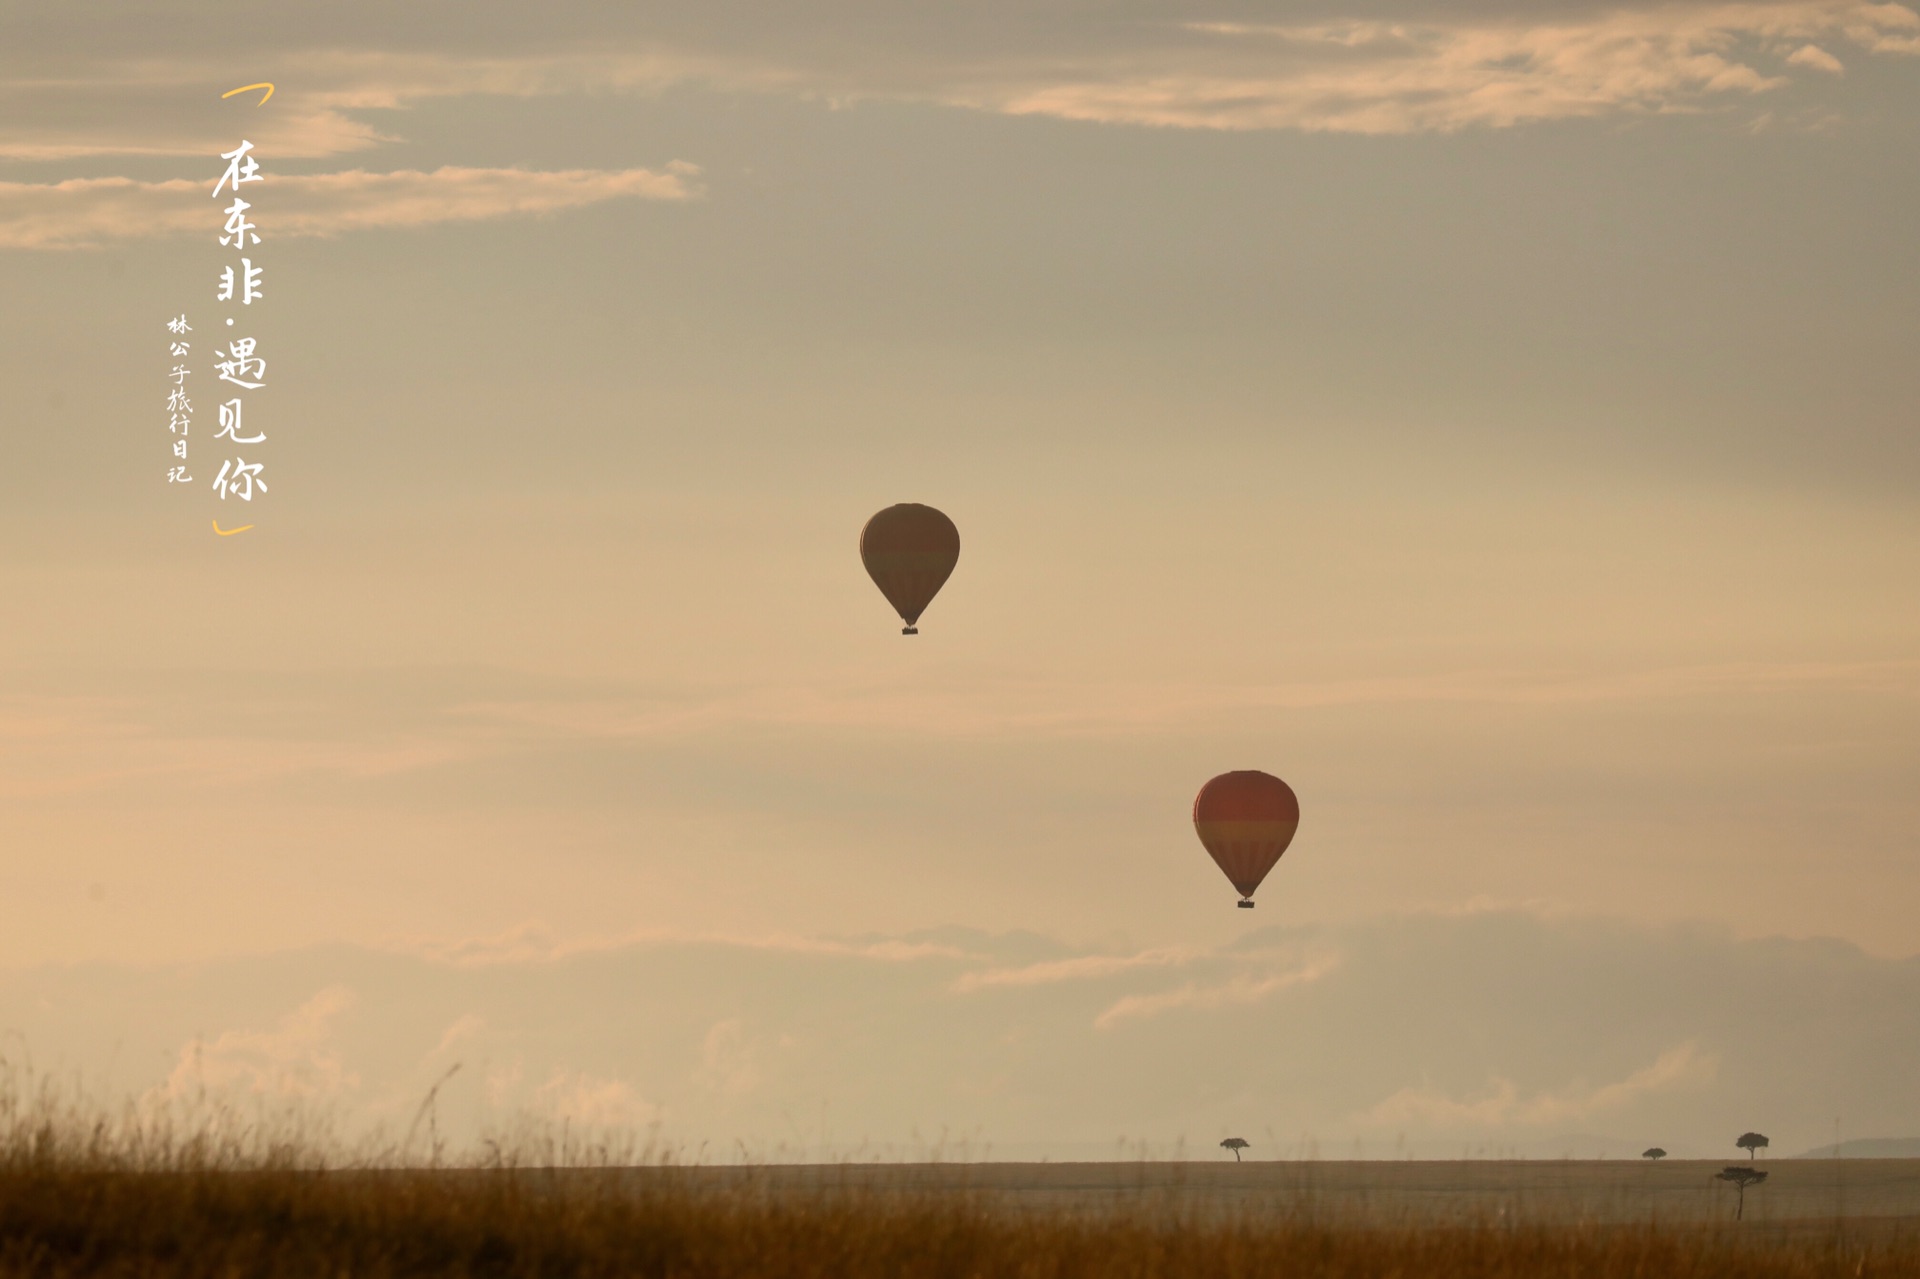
<point x="1812" y="55"/>
<point x="464" y="1027"/>
<point x="1378" y="71"/>
<point x="90" y="212"/>
<point x="728" y="1059"/>
<point x="329" y="731"/>
<point x="594" y="1101"/>
<point x="294" y="1060"/>
<point x="1683" y="1066"/>
<point x="1388" y="77"/>
<point x="1507" y="1024"/>
<point x="1243" y="989"/>
<point x="533" y="943"/>
<point x="1082" y="968"/>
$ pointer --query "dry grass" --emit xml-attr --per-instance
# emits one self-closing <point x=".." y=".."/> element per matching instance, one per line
<point x="80" y="1221"/>
<point x="143" y="1196"/>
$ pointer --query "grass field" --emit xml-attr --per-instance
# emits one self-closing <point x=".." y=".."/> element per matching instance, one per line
<point x="129" y="1199"/>
<point x="952" y="1220"/>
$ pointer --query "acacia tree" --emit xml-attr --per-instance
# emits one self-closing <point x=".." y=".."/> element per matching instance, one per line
<point x="1741" y="1177"/>
<point x="1236" y="1145"/>
<point x="1653" y="1152"/>
<point x="1751" y="1141"/>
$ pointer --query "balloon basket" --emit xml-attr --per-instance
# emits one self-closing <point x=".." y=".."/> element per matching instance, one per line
<point x="909" y="630"/>
<point x="1245" y="904"/>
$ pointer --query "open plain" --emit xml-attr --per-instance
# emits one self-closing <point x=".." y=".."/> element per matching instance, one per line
<point x="1871" y="1195"/>
<point x="75" y="1204"/>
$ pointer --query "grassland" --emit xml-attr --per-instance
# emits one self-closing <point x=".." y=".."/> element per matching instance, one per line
<point x="136" y="1199"/>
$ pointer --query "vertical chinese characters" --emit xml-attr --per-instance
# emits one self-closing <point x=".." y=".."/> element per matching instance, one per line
<point x="179" y="407"/>
<point x="239" y="364"/>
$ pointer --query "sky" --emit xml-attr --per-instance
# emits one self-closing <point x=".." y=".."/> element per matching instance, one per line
<point x="1496" y="420"/>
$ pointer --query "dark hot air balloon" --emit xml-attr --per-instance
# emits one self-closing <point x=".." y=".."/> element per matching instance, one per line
<point x="909" y="551"/>
<point x="1246" y="820"/>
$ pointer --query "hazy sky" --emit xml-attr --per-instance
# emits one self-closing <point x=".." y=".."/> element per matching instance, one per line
<point x="1496" y="420"/>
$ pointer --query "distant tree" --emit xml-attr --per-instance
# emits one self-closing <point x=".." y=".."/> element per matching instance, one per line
<point x="1751" y="1141"/>
<point x="1741" y="1177"/>
<point x="1236" y="1145"/>
<point x="1653" y="1152"/>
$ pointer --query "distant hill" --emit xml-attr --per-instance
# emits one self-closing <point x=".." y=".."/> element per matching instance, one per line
<point x="1868" y="1148"/>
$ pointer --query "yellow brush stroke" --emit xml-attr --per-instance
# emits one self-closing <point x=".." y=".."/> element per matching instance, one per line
<point x="229" y="532"/>
<point x="245" y="87"/>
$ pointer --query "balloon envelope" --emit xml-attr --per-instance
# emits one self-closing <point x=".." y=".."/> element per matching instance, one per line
<point x="909" y="551"/>
<point x="1246" y="820"/>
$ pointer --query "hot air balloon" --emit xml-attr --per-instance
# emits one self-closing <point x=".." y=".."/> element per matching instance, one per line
<point x="909" y="551"/>
<point x="1246" y="820"/>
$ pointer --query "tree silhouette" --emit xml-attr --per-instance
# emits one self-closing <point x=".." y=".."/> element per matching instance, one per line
<point x="1751" y="1141"/>
<point x="1653" y="1152"/>
<point x="1741" y="1177"/>
<point x="1236" y="1145"/>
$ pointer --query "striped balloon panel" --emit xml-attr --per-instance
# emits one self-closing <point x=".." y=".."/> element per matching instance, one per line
<point x="1245" y="851"/>
<point x="909" y="579"/>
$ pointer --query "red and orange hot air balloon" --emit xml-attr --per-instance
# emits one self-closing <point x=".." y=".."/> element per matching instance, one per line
<point x="1246" y="820"/>
<point x="909" y="551"/>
